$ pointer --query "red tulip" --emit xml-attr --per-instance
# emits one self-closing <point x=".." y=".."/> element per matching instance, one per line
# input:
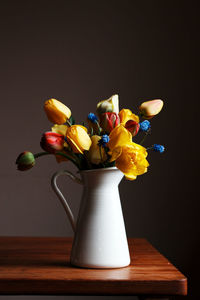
<point x="108" y="121"/>
<point x="132" y="126"/>
<point x="52" y="142"/>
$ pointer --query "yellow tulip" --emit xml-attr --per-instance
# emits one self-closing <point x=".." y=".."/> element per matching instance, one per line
<point x="151" y="108"/>
<point x="119" y="136"/>
<point x="56" y="111"/>
<point x="78" y="138"/>
<point x="109" y="105"/>
<point x="96" y="153"/>
<point x="126" y="115"/>
<point x="130" y="159"/>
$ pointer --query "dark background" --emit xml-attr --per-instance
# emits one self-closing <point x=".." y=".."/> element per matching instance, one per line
<point x="81" y="52"/>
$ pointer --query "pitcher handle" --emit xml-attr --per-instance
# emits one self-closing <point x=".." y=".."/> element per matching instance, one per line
<point x="60" y="195"/>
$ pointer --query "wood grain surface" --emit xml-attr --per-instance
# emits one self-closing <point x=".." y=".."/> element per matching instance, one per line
<point x="40" y="265"/>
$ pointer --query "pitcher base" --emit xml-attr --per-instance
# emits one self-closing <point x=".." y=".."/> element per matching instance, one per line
<point x="100" y="266"/>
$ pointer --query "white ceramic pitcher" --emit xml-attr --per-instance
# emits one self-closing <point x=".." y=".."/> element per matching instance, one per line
<point x="100" y="238"/>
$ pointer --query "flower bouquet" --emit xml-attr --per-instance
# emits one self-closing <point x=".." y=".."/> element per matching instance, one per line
<point x="108" y="141"/>
<point x="103" y="153"/>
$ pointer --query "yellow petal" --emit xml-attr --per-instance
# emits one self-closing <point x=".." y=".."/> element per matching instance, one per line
<point x="83" y="127"/>
<point x="119" y="136"/>
<point x="115" y="153"/>
<point x="132" y="162"/>
<point x="126" y="115"/>
<point x="56" y="111"/>
<point x="60" y="129"/>
<point x="75" y="147"/>
<point x="94" y="154"/>
<point x="78" y="138"/>
<point x="130" y="176"/>
<point x="139" y="148"/>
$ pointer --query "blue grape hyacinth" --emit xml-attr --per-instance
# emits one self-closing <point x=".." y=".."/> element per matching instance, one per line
<point x="158" y="148"/>
<point x="92" y="117"/>
<point x="104" y="140"/>
<point x="145" y="125"/>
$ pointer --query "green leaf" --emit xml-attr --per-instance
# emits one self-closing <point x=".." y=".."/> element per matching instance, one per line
<point x="72" y="120"/>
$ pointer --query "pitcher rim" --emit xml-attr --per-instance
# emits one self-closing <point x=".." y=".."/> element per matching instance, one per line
<point x="100" y="169"/>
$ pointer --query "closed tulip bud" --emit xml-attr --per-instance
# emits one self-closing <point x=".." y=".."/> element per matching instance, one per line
<point x="52" y="142"/>
<point x="78" y="138"/>
<point x="108" y="121"/>
<point x="132" y="126"/>
<point x="96" y="152"/>
<point x="56" y="111"/>
<point x="151" y="108"/>
<point x="25" y="161"/>
<point x="109" y="105"/>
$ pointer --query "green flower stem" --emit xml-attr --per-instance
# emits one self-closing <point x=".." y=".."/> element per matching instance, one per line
<point x="149" y="148"/>
<point x="74" y="157"/>
<point x="41" y="154"/>
<point x="142" y="141"/>
<point x="69" y="152"/>
<point x="92" y="131"/>
<point x="68" y="157"/>
<point x="146" y="133"/>
<point x="99" y="128"/>
<point x="57" y="153"/>
<point x="68" y="123"/>
<point x="101" y="156"/>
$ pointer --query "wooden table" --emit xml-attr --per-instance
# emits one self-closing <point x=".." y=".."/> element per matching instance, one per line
<point x="40" y="266"/>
